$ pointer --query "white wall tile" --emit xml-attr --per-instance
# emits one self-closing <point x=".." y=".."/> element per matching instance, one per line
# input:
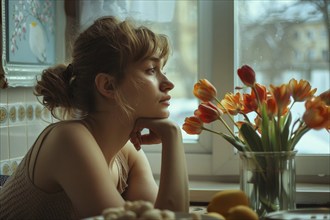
<point x="25" y="121"/>
<point x="16" y="95"/>
<point x="17" y="141"/>
<point x="4" y="143"/>
<point x="4" y="132"/>
<point x="29" y="96"/>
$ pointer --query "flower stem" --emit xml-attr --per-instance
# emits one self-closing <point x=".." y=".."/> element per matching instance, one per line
<point x="279" y="131"/>
<point x="209" y="130"/>
<point x="228" y="128"/>
<point x="230" y="117"/>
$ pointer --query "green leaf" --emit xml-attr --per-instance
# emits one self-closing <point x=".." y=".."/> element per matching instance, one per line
<point x="265" y="128"/>
<point x="234" y="141"/>
<point x="286" y="131"/>
<point x="251" y="137"/>
<point x="273" y="143"/>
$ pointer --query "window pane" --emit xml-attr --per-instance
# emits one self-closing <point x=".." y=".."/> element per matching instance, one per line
<point x="283" y="40"/>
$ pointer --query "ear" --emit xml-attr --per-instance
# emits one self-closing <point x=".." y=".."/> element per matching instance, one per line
<point x="105" y="84"/>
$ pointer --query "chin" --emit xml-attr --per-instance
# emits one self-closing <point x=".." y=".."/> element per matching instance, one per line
<point x="163" y="114"/>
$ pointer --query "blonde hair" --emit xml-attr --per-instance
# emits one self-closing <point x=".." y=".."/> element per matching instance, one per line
<point x="107" y="46"/>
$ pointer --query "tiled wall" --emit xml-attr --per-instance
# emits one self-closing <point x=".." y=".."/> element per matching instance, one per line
<point x="22" y="118"/>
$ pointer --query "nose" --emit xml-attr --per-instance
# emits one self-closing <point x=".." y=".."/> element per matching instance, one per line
<point x="166" y="85"/>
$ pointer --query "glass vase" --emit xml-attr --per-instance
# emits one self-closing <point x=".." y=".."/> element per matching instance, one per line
<point x="269" y="180"/>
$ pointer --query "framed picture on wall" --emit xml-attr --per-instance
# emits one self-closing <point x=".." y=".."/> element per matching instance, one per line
<point x="30" y="29"/>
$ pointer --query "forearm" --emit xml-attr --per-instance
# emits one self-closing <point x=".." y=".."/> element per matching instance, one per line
<point x="173" y="191"/>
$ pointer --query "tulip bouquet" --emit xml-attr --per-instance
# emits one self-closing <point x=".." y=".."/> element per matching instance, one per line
<point x="273" y="128"/>
<point x="266" y="142"/>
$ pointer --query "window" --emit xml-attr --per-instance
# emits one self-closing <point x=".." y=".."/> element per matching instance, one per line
<point x="211" y="39"/>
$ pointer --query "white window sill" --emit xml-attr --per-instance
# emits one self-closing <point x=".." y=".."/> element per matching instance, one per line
<point x="318" y="194"/>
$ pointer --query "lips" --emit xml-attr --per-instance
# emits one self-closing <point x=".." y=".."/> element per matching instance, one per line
<point x="165" y="100"/>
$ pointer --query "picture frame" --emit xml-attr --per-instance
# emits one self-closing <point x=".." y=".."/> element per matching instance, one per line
<point x="32" y="38"/>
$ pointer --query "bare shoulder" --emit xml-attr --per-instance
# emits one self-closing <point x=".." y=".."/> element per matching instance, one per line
<point x="68" y="147"/>
<point x="70" y="132"/>
<point x="131" y="154"/>
<point x="68" y="139"/>
<point x="69" y="128"/>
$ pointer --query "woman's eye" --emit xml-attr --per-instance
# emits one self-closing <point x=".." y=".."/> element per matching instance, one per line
<point x="151" y="70"/>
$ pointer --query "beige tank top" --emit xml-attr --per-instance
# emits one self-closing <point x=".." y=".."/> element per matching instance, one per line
<point x="21" y="199"/>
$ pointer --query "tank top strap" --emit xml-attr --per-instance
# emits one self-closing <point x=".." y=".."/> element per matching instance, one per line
<point x="35" y="148"/>
<point x="123" y="170"/>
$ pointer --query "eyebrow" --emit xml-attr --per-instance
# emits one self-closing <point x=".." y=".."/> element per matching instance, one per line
<point x="156" y="59"/>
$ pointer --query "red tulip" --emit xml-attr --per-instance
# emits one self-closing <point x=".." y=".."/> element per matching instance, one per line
<point x="208" y="112"/>
<point x="204" y="90"/>
<point x="247" y="75"/>
<point x="192" y="125"/>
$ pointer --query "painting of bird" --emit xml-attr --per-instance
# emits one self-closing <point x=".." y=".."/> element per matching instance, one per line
<point x="37" y="41"/>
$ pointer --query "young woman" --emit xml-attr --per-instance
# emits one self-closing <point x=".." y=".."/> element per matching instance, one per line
<point x="114" y="88"/>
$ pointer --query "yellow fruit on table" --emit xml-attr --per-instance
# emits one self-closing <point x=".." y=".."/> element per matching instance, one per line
<point x="224" y="200"/>
<point x="241" y="212"/>
<point x="216" y="215"/>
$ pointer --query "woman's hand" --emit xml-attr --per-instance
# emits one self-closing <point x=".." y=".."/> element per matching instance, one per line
<point x="158" y="130"/>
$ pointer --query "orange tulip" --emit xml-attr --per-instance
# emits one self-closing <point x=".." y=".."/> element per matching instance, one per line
<point x="281" y="95"/>
<point x="232" y="103"/>
<point x="271" y="107"/>
<point x="300" y="91"/>
<point x="261" y="91"/>
<point x="192" y="125"/>
<point x="204" y="90"/>
<point x="325" y="97"/>
<point x="247" y="75"/>
<point x="317" y="114"/>
<point x="208" y="112"/>
<point x="250" y="101"/>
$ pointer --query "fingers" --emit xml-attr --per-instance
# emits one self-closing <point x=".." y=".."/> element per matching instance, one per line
<point x="156" y="127"/>
<point x="150" y="138"/>
<point x="136" y="140"/>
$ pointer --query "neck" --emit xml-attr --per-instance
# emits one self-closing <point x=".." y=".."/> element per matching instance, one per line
<point x="110" y="130"/>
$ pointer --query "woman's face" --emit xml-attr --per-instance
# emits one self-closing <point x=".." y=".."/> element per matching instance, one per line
<point x="145" y="88"/>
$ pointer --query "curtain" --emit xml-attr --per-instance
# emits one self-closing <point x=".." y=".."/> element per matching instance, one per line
<point x="141" y="10"/>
